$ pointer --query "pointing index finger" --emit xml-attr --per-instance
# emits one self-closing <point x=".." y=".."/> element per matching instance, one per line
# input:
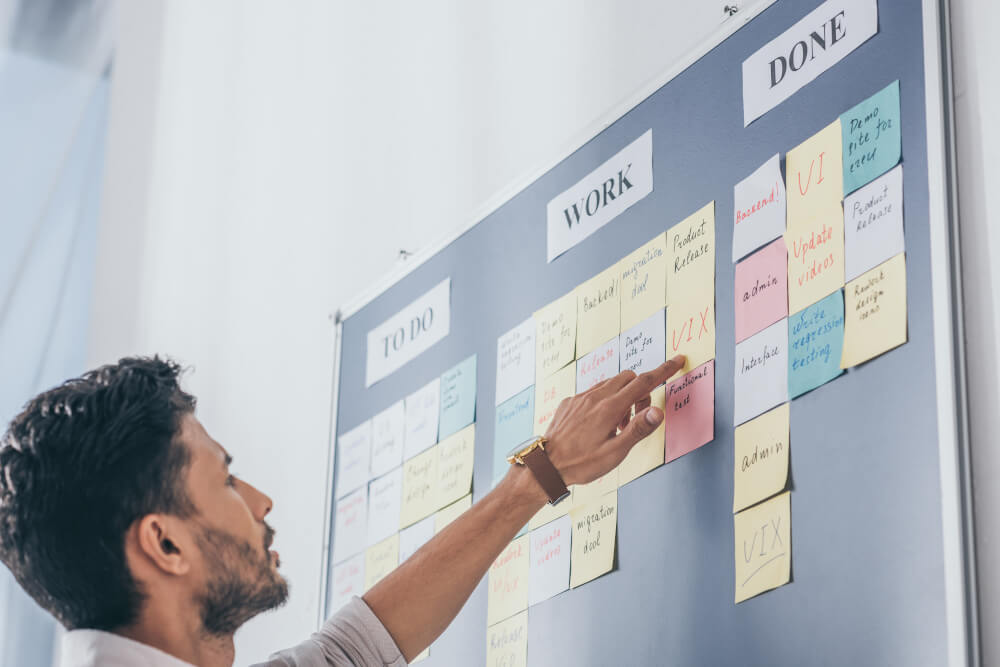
<point x="642" y="385"/>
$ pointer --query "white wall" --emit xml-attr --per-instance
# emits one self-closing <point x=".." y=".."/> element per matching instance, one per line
<point x="977" y="107"/>
<point x="268" y="160"/>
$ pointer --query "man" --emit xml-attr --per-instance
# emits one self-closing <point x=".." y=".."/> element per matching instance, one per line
<point x="118" y="514"/>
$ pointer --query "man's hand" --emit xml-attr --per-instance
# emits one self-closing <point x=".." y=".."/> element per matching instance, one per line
<point x="583" y="438"/>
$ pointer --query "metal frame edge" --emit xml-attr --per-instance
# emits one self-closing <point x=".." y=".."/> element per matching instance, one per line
<point x="328" y="499"/>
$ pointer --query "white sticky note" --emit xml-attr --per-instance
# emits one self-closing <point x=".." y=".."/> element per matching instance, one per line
<point x="515" y="360"/>
<point x="422" y="412"/>
<point x="759" y="208"/>
<point x="597" y="366"/>
<point x="350" y="525"/>
<point x="388" y="432"/>
<point x="354" y="450"/>
<point x="550" y="556"/>
<point x="873" y="224"/>
<point x="385" y="495"/>
<point x="348" y="581"/>
<point x="644" y="347"/>
<point x="414" y="537"/>
<point x="807" y="49"/>
<point x="761" y="372"/>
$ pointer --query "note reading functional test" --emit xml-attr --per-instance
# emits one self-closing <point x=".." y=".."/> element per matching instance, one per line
<point x="690" y="411"/>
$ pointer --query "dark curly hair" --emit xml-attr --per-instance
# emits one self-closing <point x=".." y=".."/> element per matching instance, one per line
<point x="78" y="466"/>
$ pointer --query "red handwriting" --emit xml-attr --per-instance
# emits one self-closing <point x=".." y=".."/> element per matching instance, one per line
<point x="758" y="205"/>
<point x="686" y="332"/>
<point x="809" y="178"/>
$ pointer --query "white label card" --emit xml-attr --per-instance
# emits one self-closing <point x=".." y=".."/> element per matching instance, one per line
<point x="408" y="333"/>
<point x="354" y="450"/>
<point x="388" y="431"/>
<point x="350" y="525"/>
<point x="597" y="366"/>
<point x="873" y="224"/>
<point x="414" y="537"/>
<point x="759" y="208"/>
<point x="422" y="413"/>
<point x="644" y="347"/>
<point x="515" y="361"/>
<point x="385" y="495"/>
<point x="761" y="372"/>
<point x="600" y="196"/>
<point x="550" y="555"/>
<point x="807" y="49"/>
<point x="348" y="582"/>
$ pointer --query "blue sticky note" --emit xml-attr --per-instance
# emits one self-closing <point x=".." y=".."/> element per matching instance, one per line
<point x="515" y="418"/>
<point x="458" y="398"/>
<point x="815" y="341"/>
<point x="871" y="138"/>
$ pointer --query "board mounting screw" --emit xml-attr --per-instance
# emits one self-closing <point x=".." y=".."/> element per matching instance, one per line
<point x="730" y="10"/>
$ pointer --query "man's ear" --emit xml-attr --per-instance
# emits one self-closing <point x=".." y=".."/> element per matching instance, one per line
<point x="161" y="541"/>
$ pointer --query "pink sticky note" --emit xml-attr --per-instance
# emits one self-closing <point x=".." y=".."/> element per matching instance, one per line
<point x="761" y="289"/>
<point x="690" y="411"/>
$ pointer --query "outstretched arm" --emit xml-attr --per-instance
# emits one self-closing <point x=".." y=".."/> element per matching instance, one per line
<point x="418" y="600"/>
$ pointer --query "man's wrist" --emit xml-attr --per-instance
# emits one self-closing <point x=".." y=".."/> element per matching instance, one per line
<point x="525" y="486"/>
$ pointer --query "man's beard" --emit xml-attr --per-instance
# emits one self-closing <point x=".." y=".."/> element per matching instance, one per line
<point x="241" y="582"/>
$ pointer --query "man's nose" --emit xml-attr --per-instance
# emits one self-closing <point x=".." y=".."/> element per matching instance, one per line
<point x="259" y="502"/>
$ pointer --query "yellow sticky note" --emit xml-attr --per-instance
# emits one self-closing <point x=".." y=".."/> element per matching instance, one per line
<point x="691" y="330"/>
<point x="454" y="466"/>
<point x="420" y="480"/>
<point x="691" y="257"/>
<point x="552" y="512"/>
<point x="761" y="466"/>
<point x="555" y="336"/>
<point x="598" y="310"/>
<point x="593" y="551"/>
<point x="875" y="312"/>
<point x="549" y="393"/>
<point x="763" y="546"/>
<point x="380" y="560"/>
<point x="445" y="516"/>
<point x="649" y="452"/>
<point x="643" y="282"/>
<point x="507" y="642"/>
<point x="508" y="582"/>
<point x="584" y="494"/>
<point x="814" y="175"/>
<point x="815" y="258"/>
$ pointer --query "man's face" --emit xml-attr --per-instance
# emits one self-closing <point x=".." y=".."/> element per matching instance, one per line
<point x="239" y="573"/>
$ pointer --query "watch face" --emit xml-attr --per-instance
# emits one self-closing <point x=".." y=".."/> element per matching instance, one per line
<point x="520" y="448"/>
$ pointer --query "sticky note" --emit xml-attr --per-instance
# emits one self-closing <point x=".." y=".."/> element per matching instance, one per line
<point x="763" y="547"/>
<point x="551" y="512"/>
<point x="597" y="366"/>
<point x="422" y="412"/>
<point x="761" y="372"/>
<point x="380" y="560"/>
<point x="815" y="344"/>
<point x="761" y="461"/>
<point x="419" y="487"/>
<point x="448" y="514"/>
<point x="873" y="224"/>
<point x="458" y="398"/>
<point x="515" y="361"/>
<point x="354" y="450"/>
<point x="648" y="453"/>
<point x="513" y="426"/>
<point x="454" y="466"/>
<point x="690" y="411"/>
<point x="643" y="347"/>
<point x="549" y="393"/>
<point x="815" y="258"/>
<point x="348" y="581"/>
<point x="598" y="310"/>
<point x="870" y="133"/>
<point x="584" y="494"/>
<point x="691" y="330"/>
<point x="758" y="208"/>
<point x="550" y="554"/>
<point x="507" y="642"/>
<point x="814" y="175"/>
<point x="414" y="537"/>
<point x="643" y="282"/>
<point x="875" y="312"/>
<point x="508" y="582"/>
<point x="385" y="497"/>
<point x="555" y="336"/>
<point x="761" y="290"/>
<point x="691" y="252"/>
<point x="388" y="432"/>
<point x="350" y="525"/>
<point x="593" y="541"/>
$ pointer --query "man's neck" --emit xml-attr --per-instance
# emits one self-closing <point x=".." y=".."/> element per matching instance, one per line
<point x="182" y="636"/>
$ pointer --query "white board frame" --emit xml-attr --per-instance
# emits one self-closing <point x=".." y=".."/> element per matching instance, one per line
<point x="961" y="605"/>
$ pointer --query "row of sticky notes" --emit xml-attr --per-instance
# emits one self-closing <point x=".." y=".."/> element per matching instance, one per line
<point x="410" y="426"/>
<point x="413" y="491"/>
<point x="828" y="294"/>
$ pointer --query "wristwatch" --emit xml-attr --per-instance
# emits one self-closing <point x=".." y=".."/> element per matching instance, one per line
<point x="531" y="453"/>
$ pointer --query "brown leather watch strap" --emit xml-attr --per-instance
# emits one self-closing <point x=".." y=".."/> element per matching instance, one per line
<point x="548" y="477"/>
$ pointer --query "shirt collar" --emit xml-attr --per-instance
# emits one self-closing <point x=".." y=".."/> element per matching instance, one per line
<point x="92" y="648"/>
